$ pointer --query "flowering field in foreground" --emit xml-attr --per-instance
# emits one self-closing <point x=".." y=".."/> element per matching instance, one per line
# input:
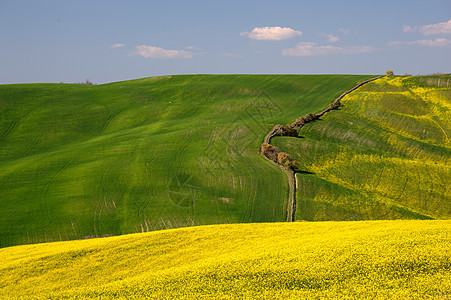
<point x="365" y="260"/>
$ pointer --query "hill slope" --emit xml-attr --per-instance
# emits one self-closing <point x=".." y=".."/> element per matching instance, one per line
<point x="363" y="260"/>
<point x="385" y="154"/>
<point x="86" y="161"/>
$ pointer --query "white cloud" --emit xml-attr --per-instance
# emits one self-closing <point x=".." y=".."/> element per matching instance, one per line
<point x="231" y="55"/>
<point x="440" y="42"/>
<point x="344" y="31"/>
<point x="118" y="45"/>
<point x="271" y="33"/>
<point x="394" y="43"/>
<point x="431" y="43"/>
<point x="332" y="38"/>
<point x="439" y="28"/>
<point x="160" y="53"/>
<point x="309" y="49"/>
<point x="407" y="28"/>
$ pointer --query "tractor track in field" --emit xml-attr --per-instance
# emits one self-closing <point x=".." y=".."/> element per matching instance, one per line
<point x="108" y="121"/>
<point x="12" y="125"/>
<point x="299" y="123"/>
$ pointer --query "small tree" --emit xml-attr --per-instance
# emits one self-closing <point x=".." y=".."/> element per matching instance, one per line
<point x="270" y="151"/>
<point x="283" y="158"/>
<point x="287" y="131"/>
<point x="287" y="161"/>
<point x="334" y="105"/>
<point x="389" y="73"/>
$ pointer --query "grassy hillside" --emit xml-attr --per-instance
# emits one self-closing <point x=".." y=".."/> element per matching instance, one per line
<point x="352" y="260"/>
<point x="86" y="161"/>
<point x="384" y="155"/>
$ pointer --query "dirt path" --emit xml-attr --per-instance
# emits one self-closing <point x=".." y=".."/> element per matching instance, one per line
<point x="277" y="130"/>
<point x="272" y="133"/>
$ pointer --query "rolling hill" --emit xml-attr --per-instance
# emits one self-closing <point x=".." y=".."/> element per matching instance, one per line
<point x="401" y="259"/>
<point x="80" y="161"/>
<point x="385" y="154"/>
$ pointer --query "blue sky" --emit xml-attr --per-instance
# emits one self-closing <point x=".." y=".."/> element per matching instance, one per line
<point x="105" y="41"/>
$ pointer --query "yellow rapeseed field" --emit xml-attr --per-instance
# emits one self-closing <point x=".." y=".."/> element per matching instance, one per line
<point x="349" y="260"/>
<point x="385" y="154"/>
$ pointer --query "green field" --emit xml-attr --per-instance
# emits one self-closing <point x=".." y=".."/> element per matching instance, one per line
<point x="79" y="161"/>
<point x="385" y="154"/>
<point x="401" y="259"/>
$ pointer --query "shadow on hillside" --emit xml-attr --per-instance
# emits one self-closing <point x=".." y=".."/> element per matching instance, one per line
<point x="304" y="172"/>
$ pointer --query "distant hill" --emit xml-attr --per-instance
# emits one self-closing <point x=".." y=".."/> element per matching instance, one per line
<point x="82" y="161"/>
<point x="385" y="154"/>
<point x="402" y="259"/>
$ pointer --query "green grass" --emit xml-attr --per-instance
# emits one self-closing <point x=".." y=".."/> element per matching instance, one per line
<point x="402" y="259"/>
<point x="155" y="153"/>
<point x="385" y="154"/>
